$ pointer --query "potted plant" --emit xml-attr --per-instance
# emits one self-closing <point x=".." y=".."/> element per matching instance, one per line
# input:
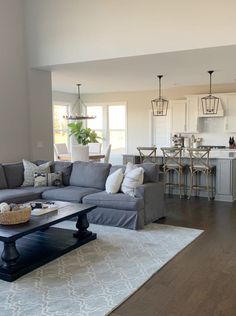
<point x="83" y="135"/>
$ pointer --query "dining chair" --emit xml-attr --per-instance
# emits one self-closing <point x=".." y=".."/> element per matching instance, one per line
<point x="62" y="152"/>
<point x="107" y="154"/>
<point x="80" y="153"/>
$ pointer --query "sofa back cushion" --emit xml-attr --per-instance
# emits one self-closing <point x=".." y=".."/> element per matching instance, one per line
<point x="151" y="171"/>
<point x="14" y="173"/>
<point x="3" y="181"/>
<point x="65" y="167"/>
<point x="89" y="174"/>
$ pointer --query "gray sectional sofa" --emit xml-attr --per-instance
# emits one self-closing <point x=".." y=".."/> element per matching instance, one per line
<point x="84" y="182"/>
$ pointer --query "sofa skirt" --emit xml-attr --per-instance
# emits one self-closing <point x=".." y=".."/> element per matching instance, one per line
<point x="118" y="218"/>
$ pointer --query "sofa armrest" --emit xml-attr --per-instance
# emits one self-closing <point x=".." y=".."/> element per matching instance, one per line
<point x="153" y="196"/>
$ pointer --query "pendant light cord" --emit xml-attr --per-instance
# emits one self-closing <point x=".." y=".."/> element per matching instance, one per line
<point x="160" y="76"/>
<point x="210" y="73"/>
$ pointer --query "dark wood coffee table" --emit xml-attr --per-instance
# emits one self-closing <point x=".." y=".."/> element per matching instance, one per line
<point x="28" y="246"/>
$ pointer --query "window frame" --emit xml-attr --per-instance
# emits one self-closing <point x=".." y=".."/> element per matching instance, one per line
<point x="106" y="128"/>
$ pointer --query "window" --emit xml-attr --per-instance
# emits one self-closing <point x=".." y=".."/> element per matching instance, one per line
<point x="60" y="128"/>
<point x="97" y="123"/>
<point x="110" y="124"/>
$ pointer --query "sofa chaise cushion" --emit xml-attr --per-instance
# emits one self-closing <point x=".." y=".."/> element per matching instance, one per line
<point x="70" y="193"/>
<point x="3" y="181"/>
<point x="118" y="201"/>
<point x="18" y="195"/>
<point x="89" y="174"/>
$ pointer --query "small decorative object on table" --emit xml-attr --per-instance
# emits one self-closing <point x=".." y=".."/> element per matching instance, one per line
<point x="231" y="142"/>
<point x="14" y="214"/>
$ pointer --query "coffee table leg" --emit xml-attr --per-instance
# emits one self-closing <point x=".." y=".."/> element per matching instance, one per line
<point x="10" y="254"/>
<point x="82" y="225"/>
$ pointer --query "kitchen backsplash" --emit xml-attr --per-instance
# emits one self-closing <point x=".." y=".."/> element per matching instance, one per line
<point x="213" y="132"/>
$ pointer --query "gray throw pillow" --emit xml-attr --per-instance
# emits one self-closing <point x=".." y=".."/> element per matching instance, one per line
<point x="54" y="179"/>
<point x="47" y="179"/>
<point x="40" y="179"/>
<point x="30" y="169"/>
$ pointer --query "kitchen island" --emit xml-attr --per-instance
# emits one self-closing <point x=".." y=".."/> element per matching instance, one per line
<point x="224" y="178"/>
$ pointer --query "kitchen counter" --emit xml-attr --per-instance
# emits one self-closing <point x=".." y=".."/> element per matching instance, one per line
<point x="226" y="153"/>
<point x="225" y="177"/>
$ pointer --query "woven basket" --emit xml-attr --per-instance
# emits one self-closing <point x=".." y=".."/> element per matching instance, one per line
<point x="15" y="217"/>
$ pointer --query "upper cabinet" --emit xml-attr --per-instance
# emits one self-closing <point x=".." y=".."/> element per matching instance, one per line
<point x="192" y="114"/>
<point x="229" y="103"/>
<point x="178" y="117"/>
<point x="187" y="115"/>
<point x="184" y="115"/>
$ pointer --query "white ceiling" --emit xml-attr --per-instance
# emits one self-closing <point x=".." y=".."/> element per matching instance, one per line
<point x="185" y="68"/>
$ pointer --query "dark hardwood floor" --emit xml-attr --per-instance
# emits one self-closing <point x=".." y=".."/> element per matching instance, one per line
<point x="201" y="280"/>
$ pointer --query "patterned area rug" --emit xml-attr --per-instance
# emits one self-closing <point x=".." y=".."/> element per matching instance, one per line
<point x="96" y="278"/>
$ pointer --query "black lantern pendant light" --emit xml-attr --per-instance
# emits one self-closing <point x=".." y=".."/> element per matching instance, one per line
<point x="159" y="105"/>
<point x="78" y="106"/>
<point x="210" y="103"/>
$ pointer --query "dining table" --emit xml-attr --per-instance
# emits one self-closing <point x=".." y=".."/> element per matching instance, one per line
<point x="92" y="156"/>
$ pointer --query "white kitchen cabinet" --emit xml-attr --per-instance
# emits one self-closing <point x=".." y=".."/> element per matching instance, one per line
<point x="192" y="115"/>
<point x="178" y="117"/>
<point x="229" y="103"/>
<point x="160" y="130"/>
<point x="185" y="115"/>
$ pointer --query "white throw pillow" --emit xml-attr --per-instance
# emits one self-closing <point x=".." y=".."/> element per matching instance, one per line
<point x="130" y="166"/>
<point x="30" y="169"/>
<point x="132" y="179"/>
<point x="114" y="181"/>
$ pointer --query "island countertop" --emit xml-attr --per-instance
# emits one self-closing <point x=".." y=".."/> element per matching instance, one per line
<point x="226" y="153"/>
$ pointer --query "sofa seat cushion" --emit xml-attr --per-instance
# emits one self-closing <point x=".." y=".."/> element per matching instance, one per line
<point x="70" y="193"/>
<point x="38" y="190"/>
<point x="18" y="195"/>
<point x="118" y="201"/>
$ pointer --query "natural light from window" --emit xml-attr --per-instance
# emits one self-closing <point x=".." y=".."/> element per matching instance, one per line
<point x="60" y="124"/>
<point x="110" y="124"/>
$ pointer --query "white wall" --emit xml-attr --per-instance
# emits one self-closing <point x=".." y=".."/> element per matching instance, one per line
<point x="41" y="121"/>
<point x="14" y="127"/>
<point x="67" y="31"/>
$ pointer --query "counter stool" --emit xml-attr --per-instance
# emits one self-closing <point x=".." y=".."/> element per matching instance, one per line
<point x="147" y="154"/>
<point x="172" y="163"/>
<point x="199" y="164"/>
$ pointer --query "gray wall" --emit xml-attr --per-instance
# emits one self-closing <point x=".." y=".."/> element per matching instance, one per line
<point x="25" y="95"/>
<point x="40" y="120"/>
<point x="14" y="118"/>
